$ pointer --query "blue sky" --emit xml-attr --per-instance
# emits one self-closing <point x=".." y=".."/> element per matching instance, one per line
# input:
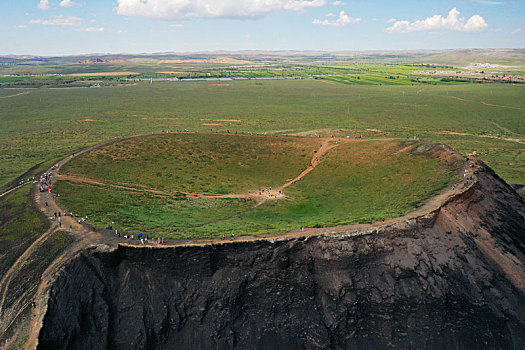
<point x="63" y="27"/>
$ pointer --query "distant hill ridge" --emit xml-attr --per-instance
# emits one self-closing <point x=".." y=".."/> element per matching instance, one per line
<point x="452" y="56"/>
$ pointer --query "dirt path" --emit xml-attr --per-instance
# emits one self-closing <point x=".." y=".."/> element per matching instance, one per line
<point x="144" y="189"/>
<point x="493" y="105"/>
<point x="486" y="104"/>
<point x="13" y="189"/>
<point x="509" y="139"/>
<point x="316" y="159"/>
<point x="19" y="94"/>
<point x="457" y="98"/>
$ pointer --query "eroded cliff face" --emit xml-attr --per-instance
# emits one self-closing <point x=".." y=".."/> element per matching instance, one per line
<point x="454" y="279"/>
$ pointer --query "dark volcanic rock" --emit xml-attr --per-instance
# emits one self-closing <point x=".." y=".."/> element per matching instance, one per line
<point x="452" y="280"/>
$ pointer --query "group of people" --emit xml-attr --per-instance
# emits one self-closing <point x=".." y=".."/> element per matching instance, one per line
<point x="143" y="238"/>
<point x="268" y="193"/>
<point x="467" y="176"/>
<point x="45" y="182"/>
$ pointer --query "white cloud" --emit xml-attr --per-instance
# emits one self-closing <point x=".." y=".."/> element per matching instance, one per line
<point x="338" y="3"/>
<point x="21" y="26"/>
<point x="92" y="29"/>
<point x="67" y="3"/>
<point x="391" y="20"/>
<point x="63" y="21"/>
<point x="176" y="25"/>
<point x="488" y="2"/>
<point x="341" y="21"/>
<point x="330" y="15"/>
<point x="185" y="9"/>
<point x="516" y="31"/>
<point x="43" y="5"/>
<point x="474" y="24"/>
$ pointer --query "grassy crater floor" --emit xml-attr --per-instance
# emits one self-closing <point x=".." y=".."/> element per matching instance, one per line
<point x="206" y="185"/>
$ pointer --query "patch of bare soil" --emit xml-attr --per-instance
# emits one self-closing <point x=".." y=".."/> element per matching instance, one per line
<point x="19" y="94"/>
<point x="102" y="74"/>
<point x="222" y="120"/>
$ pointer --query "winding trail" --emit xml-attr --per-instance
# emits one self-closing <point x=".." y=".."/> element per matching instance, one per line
<point x="485" y="103"/>
<point x="511" y="107"/>
<point x="508" y="139"/>
<point x="13" y="189"/>
<point x="15" y="95"/>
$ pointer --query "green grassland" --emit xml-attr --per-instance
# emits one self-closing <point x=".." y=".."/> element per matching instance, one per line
<point x="43" y="124"/>
<point x="20" y="225"/>
<point x="199" y="163"/>
<point x="141" y="212"/>
<point x="357" y="182"/>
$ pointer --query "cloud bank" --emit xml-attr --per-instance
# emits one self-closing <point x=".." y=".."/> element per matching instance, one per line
<point x="435" y="23"/>
<point x="43" y="5"/>
<point x="341" y="21"/>
<point x="67" y="3"/>
<point x="92" y="29"/>
<point x="184" y="9"/>
<point x="63" y="21"/>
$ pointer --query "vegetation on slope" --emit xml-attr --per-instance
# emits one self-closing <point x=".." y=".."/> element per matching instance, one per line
<point x="356" y="182"/>
<point x="20" y="225"/>
<point x="199" y="163"/>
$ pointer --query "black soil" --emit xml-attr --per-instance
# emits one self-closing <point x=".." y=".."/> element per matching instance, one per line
<point x="452" y="280"/>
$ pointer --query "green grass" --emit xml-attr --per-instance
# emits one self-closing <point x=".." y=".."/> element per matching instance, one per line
<point x="22" y="342"/>
<point x="49" y="123"/>
<point x="139" y="212"/>
<point x="20" y="225"/>
<point x="355" y="183"/>
<point x="199" y="163"/>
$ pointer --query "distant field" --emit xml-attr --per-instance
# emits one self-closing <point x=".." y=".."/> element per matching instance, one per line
<point x="102" y="74"/>
<point x="42" y="124"/>
<point x="355" y="182"/>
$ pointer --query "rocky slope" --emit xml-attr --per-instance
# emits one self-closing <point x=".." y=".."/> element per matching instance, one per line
<point x="452" y="279"/>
